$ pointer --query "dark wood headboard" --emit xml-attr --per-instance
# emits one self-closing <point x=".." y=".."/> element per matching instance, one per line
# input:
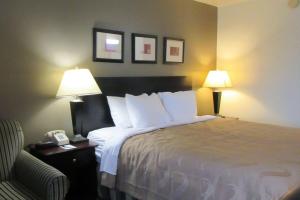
<point x="94" y="112"/>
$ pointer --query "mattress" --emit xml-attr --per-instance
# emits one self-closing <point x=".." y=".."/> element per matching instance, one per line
<point x="220" y="159"/>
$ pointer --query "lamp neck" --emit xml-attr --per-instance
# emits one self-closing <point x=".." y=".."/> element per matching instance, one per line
<point x="77" y="99"/>
<point x="216" y="90"/>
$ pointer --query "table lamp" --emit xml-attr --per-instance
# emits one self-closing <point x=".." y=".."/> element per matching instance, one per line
<point x="75" y="83"/>
<point x="217" y="79"/>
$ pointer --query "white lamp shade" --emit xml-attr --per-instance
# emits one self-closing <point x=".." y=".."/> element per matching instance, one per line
<point x="217" y="79"/>
<point x="78" y="82"/>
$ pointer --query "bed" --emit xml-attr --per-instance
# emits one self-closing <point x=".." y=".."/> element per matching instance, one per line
<point x="214" y="159"/>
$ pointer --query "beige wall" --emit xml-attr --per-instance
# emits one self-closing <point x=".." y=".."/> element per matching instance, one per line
<point x="40" y="39"/>
<point x="259" y="44"/>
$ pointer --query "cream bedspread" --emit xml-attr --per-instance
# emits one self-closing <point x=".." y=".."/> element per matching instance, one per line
<point x="221" y="159"/>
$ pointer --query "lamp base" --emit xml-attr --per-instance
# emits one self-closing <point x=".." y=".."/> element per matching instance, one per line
<point x="217" y="101"/>
<point x="76" y="107"/>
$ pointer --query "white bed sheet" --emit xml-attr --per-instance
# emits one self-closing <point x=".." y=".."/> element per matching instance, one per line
<point x="110" y="141"/>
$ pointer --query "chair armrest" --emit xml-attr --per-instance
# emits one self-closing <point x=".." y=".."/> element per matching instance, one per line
<point x="292" y="195"/>
<point x="42" y="179"/>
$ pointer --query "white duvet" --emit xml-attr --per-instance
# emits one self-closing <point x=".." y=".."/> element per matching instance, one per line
<point x="110" y="141"/>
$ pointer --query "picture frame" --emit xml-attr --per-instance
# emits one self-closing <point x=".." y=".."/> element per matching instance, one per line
<point x="173" y="50"/>
<point x="108" y="45"/>
<point x="144" y="48"/>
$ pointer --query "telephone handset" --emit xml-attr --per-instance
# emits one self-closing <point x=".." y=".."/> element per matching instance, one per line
<point x="58" y="137"/>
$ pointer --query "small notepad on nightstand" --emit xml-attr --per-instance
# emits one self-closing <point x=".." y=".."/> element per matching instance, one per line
<point x="68" y="146"/>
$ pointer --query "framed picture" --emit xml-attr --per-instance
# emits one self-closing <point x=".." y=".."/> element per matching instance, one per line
<point x="144" y="48"/>
<point x="108" y="45"/>
<point x="173" y="50"/>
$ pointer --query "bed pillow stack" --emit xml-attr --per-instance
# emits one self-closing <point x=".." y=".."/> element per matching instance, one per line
<point x="153" y="110"/>
<point x="181" y="106"/>
<point x="119" y="112"/>
<point x="146" y="111"/>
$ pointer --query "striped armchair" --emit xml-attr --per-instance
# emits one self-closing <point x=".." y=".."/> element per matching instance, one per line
<point x="23" y="176"/>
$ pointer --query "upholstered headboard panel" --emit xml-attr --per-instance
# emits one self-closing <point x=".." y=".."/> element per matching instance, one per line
<point x="94" y="112"/>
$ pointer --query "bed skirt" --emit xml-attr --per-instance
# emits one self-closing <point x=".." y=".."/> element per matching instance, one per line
<point x="107" y="187"/>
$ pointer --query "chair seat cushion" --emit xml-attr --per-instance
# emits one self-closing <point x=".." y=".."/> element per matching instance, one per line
<point x="12" y="190"/>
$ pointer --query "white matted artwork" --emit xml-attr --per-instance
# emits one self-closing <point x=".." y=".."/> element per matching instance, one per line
<point x="173" y="50"/>
<point x="144" y="48"/>
<point x="108" y="45"/>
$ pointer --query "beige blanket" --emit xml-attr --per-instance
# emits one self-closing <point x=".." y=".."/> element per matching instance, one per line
<point x="221" y="159"/>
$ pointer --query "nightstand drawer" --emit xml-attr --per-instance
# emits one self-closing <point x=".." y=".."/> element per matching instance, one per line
<point x="70" y="162"/>
<point x="83" y="158"/>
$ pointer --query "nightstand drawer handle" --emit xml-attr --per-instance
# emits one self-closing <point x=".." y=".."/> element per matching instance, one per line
<point x="74" y="160"/>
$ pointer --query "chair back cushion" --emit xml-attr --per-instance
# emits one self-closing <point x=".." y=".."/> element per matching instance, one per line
<point x="11" y="143"/>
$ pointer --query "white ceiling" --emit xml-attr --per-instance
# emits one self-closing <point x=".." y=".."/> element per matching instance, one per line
<point x="220" y="3"/>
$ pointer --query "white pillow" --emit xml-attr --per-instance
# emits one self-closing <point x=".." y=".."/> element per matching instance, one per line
<point x="146" y="111"/>
<point x="119" y="112"/>
<point x="181" y="106"/>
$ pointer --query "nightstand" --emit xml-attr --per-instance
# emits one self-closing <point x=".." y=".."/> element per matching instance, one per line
<point x="79" y="165"/>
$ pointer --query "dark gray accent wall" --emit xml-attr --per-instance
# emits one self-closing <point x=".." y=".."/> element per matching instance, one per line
<point x="40" y="39"/>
